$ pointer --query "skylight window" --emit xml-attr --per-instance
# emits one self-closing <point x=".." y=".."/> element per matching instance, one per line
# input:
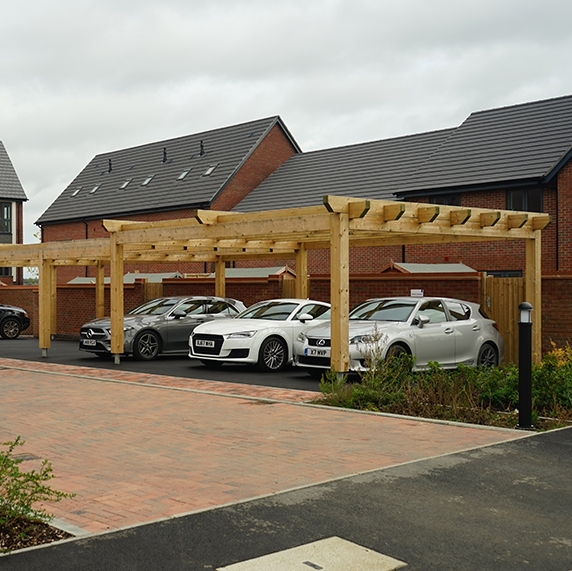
<point x="210" y="170"/>
<point x="125" y="183"/>
<point x="94" y="189"/>
<point x="76" y="191"/>
<point x="147" y="180"/>
<point x="184" y="174"/>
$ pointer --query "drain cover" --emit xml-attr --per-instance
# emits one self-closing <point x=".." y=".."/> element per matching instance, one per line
<point x="331" y="554"/>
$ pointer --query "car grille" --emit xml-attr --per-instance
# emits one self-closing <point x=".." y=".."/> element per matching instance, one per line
<point x="316" y="361"/>
<point x="92" y="333"/>
<point x="322" y="342"/>
<point x="218" y="339"/>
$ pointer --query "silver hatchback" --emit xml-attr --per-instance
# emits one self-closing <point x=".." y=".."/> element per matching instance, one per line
<point x="159" y="326"/>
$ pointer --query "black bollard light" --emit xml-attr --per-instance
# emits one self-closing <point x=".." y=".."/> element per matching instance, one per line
<point x="525" y="367"/>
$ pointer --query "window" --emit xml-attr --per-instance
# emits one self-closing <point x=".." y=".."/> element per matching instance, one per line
<point x="447" y="199"/>
<point x="125" y="183"/>
<point x="94" y="189"/>
<point x="5" y="218"/>
<point x="183" y="174"/>
<point x="434" y="310"/>
<point x="527" y="199"/>
<point x="210" y="170"/>
<point x="76" y="191"/>
<point x="147" y="180"/>
<point x="458" y="311"/>
<point x="315" y="310"/>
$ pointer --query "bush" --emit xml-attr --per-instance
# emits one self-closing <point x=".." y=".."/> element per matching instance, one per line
<point x="467" y="394"/>
<point x="19" y="492"/>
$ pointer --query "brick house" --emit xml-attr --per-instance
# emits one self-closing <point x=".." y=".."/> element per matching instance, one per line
<point x="167" y="180"/>
<point x="510" y="158"/>
<point x="12" y="198"/>
<point x="515" y="158"/>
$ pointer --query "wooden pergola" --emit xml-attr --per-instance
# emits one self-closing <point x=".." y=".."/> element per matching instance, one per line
<point x="212" y="236"/>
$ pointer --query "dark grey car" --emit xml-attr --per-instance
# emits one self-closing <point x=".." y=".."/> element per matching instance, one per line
<point x="159" y="326"/>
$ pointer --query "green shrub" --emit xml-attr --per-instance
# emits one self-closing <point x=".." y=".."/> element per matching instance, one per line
<point x="469" y="394"/>
<point x="20" y="491"/>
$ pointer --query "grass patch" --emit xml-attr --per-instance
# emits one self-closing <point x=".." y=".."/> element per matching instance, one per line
<point x="486" y="396"/>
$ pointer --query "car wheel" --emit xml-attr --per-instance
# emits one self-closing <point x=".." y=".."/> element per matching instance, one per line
<point x="211" y="364"/>
<point x="273" y="354"/>
<point x="396" y="351"/>
<point x="146" y="346"/>
<point x="10" y="328"/>
<point x="487" y="356"/>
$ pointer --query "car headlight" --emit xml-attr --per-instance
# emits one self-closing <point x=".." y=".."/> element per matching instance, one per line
<point x="126" y="328"/>
<point x="301" y="337"/>
<point x="361" y="339"/>
<point x="241" y="334"/>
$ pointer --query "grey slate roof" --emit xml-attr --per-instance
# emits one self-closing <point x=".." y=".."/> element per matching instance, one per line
<point x="10" y="185"/>
<point x="369" y="170"/>
<point x="521" y="144"/>
<point x="227" y="148"/>
<point x="526" y="142"/>
<point x="433" y="268"/>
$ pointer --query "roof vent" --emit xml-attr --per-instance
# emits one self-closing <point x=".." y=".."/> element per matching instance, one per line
<point x="164" y="154"/>
<point x="109" y="168"/>
<point x="202" y="151"/>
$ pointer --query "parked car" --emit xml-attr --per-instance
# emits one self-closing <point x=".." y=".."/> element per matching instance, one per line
<point x="13" y="320"/>
<point x="262" y="335"/>
<point x="159" y="326"/>
<point x="447" y="331"/>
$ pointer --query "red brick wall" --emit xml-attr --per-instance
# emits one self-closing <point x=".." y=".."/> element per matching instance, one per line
<point x="273" y="151"/>
<point x="76" y="304"/>
<point x="564" y="219"/>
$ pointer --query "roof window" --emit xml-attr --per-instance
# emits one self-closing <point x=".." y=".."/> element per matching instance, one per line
<point x="147" y="180"/>
<point x="94" y="189"/>
<point x="125" y="183"/>
<point x="76" y="191"/>
<point x="184" y="174"/>
<point x="210" y="170"/>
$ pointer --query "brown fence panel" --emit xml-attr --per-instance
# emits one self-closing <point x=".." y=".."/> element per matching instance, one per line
<point x="501" y="298"/>
<point x="153" y="290"/>
<point x="288" y="288"/>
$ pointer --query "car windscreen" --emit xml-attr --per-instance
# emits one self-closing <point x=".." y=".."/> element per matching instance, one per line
<point x="154" y="307"/>
<point x="273" y="310"/>
<point x="384" y="310"/>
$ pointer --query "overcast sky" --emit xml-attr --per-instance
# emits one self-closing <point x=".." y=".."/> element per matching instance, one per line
<point x="82" y="77"/>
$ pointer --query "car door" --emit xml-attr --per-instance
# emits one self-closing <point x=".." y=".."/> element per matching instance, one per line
<point x="466" y="331"/>
<point x="434" y="341"/>
<point x="180" y="328"/>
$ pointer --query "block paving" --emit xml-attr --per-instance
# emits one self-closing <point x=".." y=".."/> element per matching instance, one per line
<point x="136" y="448"/>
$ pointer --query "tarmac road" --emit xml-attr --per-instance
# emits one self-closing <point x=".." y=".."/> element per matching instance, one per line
<point x="67" y="353"/>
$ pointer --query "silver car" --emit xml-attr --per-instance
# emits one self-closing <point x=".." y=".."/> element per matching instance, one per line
<point x="159" y="326"/>
<point x="447" y="331"/>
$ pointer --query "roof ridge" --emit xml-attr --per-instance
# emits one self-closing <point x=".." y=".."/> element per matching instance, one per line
<point x="515" y="105"/>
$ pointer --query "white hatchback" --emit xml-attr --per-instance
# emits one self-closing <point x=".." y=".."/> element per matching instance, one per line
<point x="443" y="330"/>
<point x="262" y="335"/>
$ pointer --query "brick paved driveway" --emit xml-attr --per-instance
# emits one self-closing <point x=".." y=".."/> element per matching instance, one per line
<point x="136" y="448"/>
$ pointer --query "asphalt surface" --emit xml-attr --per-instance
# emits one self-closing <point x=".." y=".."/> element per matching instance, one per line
<point x="67" y="353"/>
<point x="502" y="507"/>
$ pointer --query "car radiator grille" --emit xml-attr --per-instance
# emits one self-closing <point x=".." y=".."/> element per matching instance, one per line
<point x="92" y="333"/>
<point x="217" y="339"/>
<point x="317" y="361"/>
<point x="319" y="342"/>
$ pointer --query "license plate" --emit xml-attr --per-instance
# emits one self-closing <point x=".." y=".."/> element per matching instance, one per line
<point x="204" y="343"/>
<point x="310" y="352"/>
<point x="89" y="342"/>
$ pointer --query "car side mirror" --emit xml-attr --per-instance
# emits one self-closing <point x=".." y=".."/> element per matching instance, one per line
<point x="305" y="317"/>
<point x="179" y="314"/>
<point x="421" y="320"/>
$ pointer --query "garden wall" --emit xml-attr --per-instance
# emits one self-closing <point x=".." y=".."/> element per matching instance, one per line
<point x="76" y="303"/>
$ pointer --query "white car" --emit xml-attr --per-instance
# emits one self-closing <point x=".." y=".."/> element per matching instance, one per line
<point x="262" y="335"/>
<point x="447" y="331"/>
